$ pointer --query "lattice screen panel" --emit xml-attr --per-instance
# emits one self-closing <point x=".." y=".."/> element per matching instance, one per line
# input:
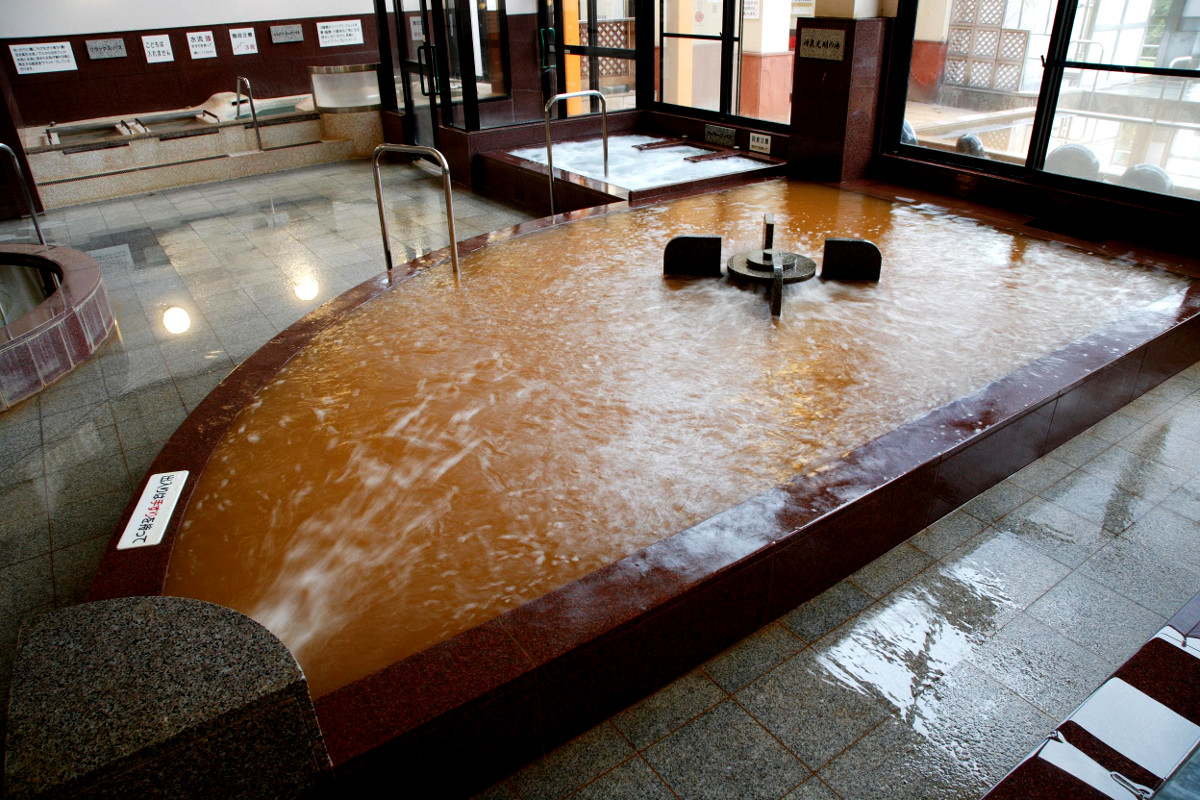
<point x="979" y="53"/>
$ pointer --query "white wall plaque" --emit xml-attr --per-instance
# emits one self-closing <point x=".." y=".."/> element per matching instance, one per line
<point x="43" y="57"/>
<point x="158" y="49"/>
<point x="202" y="44"/>
<point x="416" y="30"/>
<point x="153" y="510"/>
<point x="751" y="9"/>
<point x="282" y="34"/>
<point x="243" y="41"/>
<point x="821" y="43"/>
<point x="340" y="32"/>
<point x="106" y="48"/>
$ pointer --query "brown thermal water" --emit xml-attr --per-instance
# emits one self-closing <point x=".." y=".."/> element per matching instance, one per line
<point x="454" y="449"/>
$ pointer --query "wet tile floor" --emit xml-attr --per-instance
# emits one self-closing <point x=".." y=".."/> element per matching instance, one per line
<point x="933" y="670"/>
<point x="929" y="673"/>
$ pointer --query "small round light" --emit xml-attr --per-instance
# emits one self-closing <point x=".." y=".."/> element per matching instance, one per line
<point x="176" y="320"/>
<point x="306" y="289"/>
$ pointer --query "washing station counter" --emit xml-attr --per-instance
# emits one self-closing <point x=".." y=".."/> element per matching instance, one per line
<point x="485" y="510"/>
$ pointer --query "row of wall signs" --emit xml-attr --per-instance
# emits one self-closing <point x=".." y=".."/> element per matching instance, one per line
<point x="59" y="57"/>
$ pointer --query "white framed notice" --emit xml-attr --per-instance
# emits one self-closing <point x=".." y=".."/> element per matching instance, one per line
<point x="243" y="41"/>
<point x="150" y="516"/>
<point x="416" y="31"/>
<point x="339" y="32"/>
<point x="43" y="57"/>
<point x="751" y="9"/>
<point x="202" y="44"/>
<point x="158" y="49"/>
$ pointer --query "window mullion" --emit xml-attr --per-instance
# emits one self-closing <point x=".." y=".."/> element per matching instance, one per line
<point x="1052" y="73"/>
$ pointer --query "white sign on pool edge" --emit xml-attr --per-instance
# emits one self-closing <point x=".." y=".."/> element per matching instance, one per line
<point x="153" y="511"/>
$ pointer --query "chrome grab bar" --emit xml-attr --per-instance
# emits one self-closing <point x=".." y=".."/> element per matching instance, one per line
<point x="253" y="112"/>
<point x="603" y="130"/>
<point x="415" y="149"/>
<point x="25" y="189"/>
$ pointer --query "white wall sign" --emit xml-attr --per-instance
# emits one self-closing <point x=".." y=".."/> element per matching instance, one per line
<point x="153" y="511"/>
<point x="821" y="43"/>
<point x="340" y="32"/>
<point x="43" y="57"/>
<point x="99" y="49"/>
<point x="751" y="9"/>
<point x="243" y="41"/>
<point x="416" y="31"/>
<point x="202" y="44"/>
<point x="158" y="49"/>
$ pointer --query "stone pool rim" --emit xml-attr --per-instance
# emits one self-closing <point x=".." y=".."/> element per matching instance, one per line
<point x="47" y="343"/>
<point x="569" y="659"/>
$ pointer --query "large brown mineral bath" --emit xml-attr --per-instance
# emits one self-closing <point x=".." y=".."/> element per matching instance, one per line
<point x="461" y="445"/>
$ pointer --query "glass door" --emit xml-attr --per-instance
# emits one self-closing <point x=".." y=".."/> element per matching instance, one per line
<point x="418" y="62"/>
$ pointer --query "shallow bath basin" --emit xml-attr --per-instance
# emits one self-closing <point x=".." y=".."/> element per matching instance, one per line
<point x="796" y="508"/>
<point x="57" y="334"/>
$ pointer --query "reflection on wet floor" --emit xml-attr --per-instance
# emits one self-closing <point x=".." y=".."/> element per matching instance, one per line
<point x="933" y="670"/>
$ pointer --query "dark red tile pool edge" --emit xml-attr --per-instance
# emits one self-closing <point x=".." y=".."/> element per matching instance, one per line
<point x="472" y="709"/>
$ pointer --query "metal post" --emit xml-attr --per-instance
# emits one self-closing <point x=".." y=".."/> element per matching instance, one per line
<point x="25" y="189"/>
<point x="253" y="112"/>
<point x="603" y="132"/>
<point x="415" y="149"/>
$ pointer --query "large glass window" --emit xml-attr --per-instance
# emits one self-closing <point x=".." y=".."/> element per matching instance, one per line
<point x="729" y="57"/>
<point x="1099" y="90"/>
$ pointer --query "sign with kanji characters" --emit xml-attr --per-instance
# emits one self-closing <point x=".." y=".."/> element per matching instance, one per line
<point x="243" y="41"/>
<point x="158" y="49"/>
<point x="202" y="44"/>
<point x="751" y="9"/>
<point x="282" y="34"/>
<point x="43" y="57"/>
<point x="106" y="48"/>
<point x="821" y="43"/>
<point x="153" y="510"/>
<point x="339" y="32"/>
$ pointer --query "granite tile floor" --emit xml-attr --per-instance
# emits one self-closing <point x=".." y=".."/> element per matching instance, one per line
<point x="245" y="259"/>
<point x="929" y="673"/>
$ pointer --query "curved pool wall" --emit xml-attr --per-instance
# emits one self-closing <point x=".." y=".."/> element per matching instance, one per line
<point x="58" y="335"/>
<point x="506" y="691"/>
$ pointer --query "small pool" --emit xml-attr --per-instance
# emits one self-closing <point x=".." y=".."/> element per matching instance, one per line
<point x="47" y="332"/>
<point x="643" y="162"/>
<point x="642" y="168"/>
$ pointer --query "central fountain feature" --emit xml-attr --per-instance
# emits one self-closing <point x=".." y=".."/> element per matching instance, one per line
<point x="700" y="257"/>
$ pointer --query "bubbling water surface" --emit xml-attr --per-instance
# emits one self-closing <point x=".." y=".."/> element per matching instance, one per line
<point x="635" y="169"/>
<point x="451" y="450"/>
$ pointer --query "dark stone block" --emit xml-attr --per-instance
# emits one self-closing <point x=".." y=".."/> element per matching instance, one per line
<point x="693" y="256"/>
<point x="158" y="696"/>
<point x="850" y="260"/>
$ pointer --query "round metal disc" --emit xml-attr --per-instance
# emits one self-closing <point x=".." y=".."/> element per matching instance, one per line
<point x="796" y="267"/>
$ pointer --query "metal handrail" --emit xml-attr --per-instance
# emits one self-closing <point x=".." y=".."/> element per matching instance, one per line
<point x="253" y="112"/>
<point x="603" y="129"/>
<point x="25" y="189"/>
<point x="415" y="149"/>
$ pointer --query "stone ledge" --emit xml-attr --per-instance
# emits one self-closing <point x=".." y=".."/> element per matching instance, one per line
<point x="158" y="696"/>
